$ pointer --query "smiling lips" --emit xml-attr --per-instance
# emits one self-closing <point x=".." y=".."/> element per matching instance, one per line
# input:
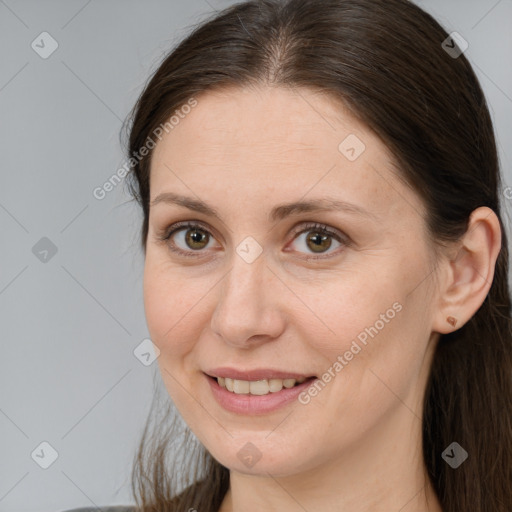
<point x="267" y="392"/>
<point x="255" y="382"/>
<point x="257" y="387"/>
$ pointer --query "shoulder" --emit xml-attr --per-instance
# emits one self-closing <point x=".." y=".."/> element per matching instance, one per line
<point x="112" y="508"/>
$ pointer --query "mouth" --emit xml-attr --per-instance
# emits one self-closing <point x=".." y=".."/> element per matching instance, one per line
<point x="258" y="387"/>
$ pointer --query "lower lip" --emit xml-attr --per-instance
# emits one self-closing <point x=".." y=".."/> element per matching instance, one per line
<point x="256" y="404"/>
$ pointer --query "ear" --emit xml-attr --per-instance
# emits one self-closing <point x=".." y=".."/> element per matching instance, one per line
<point x="468" y="272"/>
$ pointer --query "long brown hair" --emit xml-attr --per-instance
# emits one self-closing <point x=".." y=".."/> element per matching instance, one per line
<point x="385" y="60"/>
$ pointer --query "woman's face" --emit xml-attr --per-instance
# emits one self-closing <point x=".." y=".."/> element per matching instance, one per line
<point x="342" y="294"/>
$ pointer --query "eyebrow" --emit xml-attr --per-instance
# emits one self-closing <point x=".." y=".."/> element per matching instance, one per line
<point x="278" y="212"/>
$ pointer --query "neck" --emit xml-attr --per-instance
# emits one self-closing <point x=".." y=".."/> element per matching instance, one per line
<point x="384" y="471"/>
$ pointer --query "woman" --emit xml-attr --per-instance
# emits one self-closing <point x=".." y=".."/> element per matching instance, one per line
<point x="325" y="266"/>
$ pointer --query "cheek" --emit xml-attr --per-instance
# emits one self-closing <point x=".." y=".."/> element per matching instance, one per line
<point x="370" y="324"/>
<point x="381" y="334"/>
<point x="353" y="306"/>
<point x="372" y="300"/>
<point x="171" y="308"/>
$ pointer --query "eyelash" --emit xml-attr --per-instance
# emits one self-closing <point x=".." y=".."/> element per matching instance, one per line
<point x="309" y="226"/>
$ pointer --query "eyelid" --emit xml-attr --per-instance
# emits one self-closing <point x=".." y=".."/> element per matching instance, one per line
<point x="310" y="226"/>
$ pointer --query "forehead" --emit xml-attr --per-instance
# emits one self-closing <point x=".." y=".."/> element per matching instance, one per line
<point x="273" y="118"/>
<point x="279" y="143"/>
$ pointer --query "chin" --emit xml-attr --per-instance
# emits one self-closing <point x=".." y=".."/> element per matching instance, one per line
<point x="262" y="457"/>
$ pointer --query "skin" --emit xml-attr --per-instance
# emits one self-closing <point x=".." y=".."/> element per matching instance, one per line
<point x="356" y="446"/>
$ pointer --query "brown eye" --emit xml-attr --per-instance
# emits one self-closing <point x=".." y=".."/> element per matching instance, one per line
<point x="188" y="239"/>
<point x="196" y="238"/>
<point x="318" y="239"/>
<point x="318" y="242"/>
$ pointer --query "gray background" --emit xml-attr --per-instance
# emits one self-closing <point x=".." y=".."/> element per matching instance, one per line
<point x="70" y="324"/>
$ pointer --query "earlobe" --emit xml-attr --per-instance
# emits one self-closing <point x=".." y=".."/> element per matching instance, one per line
<point x="470" y="272"/>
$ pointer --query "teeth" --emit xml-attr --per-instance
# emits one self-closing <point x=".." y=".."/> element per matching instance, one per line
<point x="289" y="383"/>
<point x="257" y="387"/>
<point x="241" y="386"/>
<point x="229" y="384"/>
<point x="275" y="385"/>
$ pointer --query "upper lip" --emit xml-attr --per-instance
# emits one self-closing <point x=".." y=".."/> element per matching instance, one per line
<point x="256" y="374"/>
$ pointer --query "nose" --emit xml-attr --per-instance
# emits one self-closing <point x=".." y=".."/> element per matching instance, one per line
<point x="248" y="311"/>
